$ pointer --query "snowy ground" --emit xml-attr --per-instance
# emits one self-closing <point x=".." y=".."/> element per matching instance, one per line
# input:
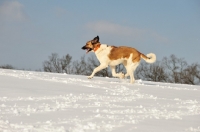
<point x="46" y="102"/>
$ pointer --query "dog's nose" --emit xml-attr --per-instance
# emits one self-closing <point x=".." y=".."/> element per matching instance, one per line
<point x="83" y="47"/>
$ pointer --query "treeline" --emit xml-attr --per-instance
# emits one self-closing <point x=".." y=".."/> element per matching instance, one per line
<point x="170" y="69"/>
<point x="7" y="66"/>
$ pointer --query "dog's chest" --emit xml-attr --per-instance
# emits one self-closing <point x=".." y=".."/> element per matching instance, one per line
<point x="103" y="52"/>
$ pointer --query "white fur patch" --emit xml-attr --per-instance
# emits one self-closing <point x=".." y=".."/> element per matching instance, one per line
<point x="152" y="57"/>
<point x="116" y="62"/>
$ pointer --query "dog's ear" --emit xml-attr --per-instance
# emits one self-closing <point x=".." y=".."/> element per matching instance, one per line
<point x="96" y="39"/>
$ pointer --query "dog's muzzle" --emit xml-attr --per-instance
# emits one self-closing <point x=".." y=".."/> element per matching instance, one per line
<point x="83" y="48"/>
<point x="86" y="48"/>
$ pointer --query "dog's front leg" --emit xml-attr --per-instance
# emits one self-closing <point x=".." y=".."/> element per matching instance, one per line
<point x="97" y="69"/>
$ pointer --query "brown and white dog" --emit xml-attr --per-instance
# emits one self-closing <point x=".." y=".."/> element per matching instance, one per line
<point x="112" y="56"/>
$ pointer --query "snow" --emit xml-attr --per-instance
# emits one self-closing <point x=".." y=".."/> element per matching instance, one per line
<point x="48" y="102"/>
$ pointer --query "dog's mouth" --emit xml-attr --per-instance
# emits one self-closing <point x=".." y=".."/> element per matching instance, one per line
<point x="87" y="49"/>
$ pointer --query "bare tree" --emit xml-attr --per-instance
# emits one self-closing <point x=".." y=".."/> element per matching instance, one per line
<point x="151" y="72"/>
<point x="65" y="62"/>
<point x="55" y="64"/>
<point x="192" y="74"/>
<point x="174" y="68"/>
<point x="52" y="65"/>
<point x="80" y="67"/>
<point x="120" y="68"/>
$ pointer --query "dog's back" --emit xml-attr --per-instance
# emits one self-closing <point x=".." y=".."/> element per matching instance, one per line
<point x="124" y="52"/>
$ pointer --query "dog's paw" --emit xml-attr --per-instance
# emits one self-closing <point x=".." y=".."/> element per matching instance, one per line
<point x="132" y="81"/>
<point x="90" y="77"/>
<point x="122" y="76"/>
<point x="126" y="75"/>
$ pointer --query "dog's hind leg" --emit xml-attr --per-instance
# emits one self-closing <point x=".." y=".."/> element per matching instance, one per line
<point x="130" y="73"/>
<point x="97" y="69"/>
<point x="114" y="74"/>
<point x="131" y="70"/>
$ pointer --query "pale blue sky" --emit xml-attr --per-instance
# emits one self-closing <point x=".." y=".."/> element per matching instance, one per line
<point x="30" y="30"/>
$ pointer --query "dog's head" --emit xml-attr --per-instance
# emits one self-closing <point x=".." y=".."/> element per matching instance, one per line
<point x="90" y="45"/>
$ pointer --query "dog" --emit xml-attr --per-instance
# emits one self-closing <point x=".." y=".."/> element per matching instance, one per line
<point x="112" y="56"/>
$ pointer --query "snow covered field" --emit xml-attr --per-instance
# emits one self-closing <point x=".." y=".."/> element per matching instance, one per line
<point x="47" y="102"/>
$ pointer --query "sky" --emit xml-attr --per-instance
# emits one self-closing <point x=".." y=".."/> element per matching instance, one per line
<point x="31" y="30"/>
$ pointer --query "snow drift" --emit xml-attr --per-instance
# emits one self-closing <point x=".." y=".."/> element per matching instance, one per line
<point x="37" y="101"/>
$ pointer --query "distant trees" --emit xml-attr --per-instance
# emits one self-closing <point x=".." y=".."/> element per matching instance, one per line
<point x="7" y="66"/>
<point x="170" y="69"/>
<point x="56" y="64"/>
<point x="80" y="67"/>
<point x="151" y="72"/>
<point x="191" y="75"/>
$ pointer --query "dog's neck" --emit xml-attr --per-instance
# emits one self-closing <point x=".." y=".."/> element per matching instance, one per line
<point x="97" y="46"/>
<point x="100" y="48"/>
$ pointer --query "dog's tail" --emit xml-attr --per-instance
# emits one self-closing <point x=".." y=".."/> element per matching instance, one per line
<point x="149" y="58"/>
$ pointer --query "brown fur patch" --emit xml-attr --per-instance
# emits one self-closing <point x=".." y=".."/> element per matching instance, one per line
<point x="124" y="52"/>
<point x="96" y="46"/>
<point x="144" y="56"/>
